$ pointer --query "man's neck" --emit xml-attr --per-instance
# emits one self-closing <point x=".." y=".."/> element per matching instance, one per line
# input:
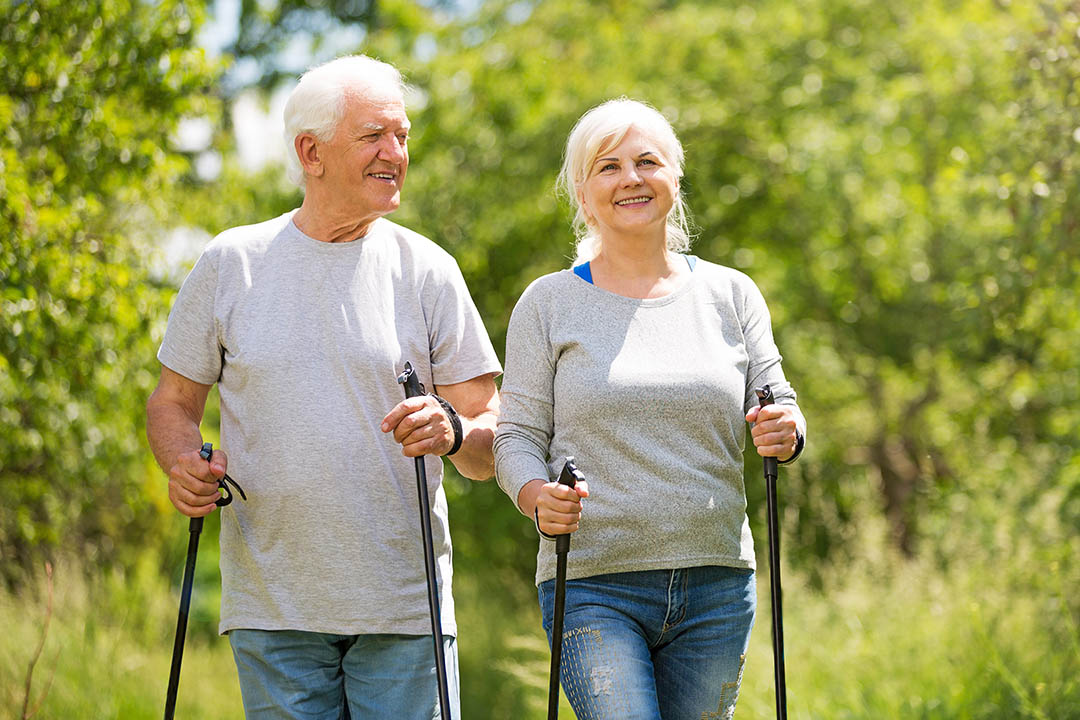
<point x="326" y="226"/>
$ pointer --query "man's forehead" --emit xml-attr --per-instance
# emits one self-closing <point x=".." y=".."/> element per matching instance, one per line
<point x="378" y="113"/>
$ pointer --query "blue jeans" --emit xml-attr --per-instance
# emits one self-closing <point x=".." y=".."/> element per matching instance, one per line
<point x="658" y="644"/>
<point x="295" y="675"/>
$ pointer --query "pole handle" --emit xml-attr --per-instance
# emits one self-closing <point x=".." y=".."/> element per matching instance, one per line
<point x="765" y="397"/>
<point x="411" y="381"/>
<point x="569" y="477"/>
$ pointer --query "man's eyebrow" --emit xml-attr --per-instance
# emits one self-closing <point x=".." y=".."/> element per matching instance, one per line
<point x="376" y="127"/>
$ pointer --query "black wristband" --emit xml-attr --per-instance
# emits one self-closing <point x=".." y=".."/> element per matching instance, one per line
<point x="455" y="422"/>
<point x="800" y="442"/>
<point x="536" y="518"/>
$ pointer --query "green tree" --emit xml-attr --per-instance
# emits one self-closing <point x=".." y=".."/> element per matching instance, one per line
<point x="894" y="178"/>
<point x="91" y="95"/>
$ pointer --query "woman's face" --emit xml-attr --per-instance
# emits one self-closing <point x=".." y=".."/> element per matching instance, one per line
<point x="630" y="188"/>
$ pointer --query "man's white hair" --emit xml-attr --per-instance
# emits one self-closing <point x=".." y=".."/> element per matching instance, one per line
<point x="317" y="104"/>
<point x="601" y="129"/>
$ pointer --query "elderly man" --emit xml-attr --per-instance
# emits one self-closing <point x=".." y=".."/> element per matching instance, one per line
<point x="304" y="322"/>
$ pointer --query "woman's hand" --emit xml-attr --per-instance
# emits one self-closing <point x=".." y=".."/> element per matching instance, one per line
<point x="774" y="430"/>
<point x="557" y="507"/>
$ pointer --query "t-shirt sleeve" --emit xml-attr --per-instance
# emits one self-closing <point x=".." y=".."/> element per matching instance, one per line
<point x="459" y="343"/>
<point x="191" y="346"/>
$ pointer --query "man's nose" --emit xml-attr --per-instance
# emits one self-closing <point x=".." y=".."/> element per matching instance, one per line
<point x="392" y="149"/>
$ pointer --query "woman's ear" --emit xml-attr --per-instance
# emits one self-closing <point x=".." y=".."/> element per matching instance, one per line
<point x="584" y="206"/>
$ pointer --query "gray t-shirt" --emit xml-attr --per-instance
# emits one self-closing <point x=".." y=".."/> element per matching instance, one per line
<point x="305" y="340"/>
<point x="649" y="396"/>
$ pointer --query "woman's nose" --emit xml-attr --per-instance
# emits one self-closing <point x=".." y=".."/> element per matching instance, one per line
<point x="631" y="177"/>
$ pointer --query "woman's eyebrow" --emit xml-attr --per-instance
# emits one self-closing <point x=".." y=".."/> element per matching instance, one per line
<point x="615" y="159"/>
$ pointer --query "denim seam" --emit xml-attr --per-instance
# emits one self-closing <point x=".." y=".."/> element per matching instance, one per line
<point x="682" y="608"/>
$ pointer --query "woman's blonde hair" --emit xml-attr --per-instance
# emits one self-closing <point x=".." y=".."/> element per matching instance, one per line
<point x="604" y="127"/>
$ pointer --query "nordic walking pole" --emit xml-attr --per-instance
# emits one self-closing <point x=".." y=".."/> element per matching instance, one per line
<point x="569" y="476"/>
<point x="765" y="397"/>
<point x="194" y="529"/>
<point x="412" y="389"/>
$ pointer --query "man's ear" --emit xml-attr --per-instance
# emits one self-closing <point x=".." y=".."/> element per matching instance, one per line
<point x="307" y="151"/>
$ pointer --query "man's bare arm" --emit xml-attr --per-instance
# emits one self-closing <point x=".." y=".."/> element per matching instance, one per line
<point x="477" y="404"/>
<point x="173" y="414"/>
<point x="422" y="427"/>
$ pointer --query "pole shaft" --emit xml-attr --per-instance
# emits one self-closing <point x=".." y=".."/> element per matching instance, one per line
<point x="775" y="591"/>
<point x="194" y="529"/>
<point x="557" y="627"/>
<point x="433" y="588"/>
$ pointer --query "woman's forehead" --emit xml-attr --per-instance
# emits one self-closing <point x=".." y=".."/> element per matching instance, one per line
<point x="633" y="139"/>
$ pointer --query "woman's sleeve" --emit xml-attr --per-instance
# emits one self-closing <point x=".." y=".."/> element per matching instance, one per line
<point x="527" y="402"/>
<point x="763" y="366"/>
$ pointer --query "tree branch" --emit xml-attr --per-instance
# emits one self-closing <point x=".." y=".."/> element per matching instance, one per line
<point x="27" y="712"/>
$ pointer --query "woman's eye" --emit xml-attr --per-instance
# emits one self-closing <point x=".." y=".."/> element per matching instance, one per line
<point x="647" y="161"/>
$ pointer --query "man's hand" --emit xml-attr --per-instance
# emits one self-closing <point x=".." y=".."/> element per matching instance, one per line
<point x="193" y="482"/>
<point x="421" y="426"/>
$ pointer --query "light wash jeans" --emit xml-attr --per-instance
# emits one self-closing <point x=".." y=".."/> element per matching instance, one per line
<point x="654" y="645"/>
<point x="295" y="675"/>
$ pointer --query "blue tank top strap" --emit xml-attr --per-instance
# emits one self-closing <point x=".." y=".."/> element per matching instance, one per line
<point x="584" y="272"/>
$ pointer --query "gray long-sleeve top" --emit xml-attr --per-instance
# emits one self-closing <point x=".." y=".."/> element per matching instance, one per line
<point x="649" y="396"/>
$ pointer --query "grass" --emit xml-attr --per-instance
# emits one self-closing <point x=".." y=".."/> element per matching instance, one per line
<point x="880" y="638"/>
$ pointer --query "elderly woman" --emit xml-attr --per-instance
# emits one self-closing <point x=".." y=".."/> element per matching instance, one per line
<point x="641" y="363"/>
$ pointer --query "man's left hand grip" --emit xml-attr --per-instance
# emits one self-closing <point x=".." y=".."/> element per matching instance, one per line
<point x="206" y="453"/>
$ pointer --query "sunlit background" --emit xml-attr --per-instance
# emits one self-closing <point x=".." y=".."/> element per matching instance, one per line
<point x="901" y="179"/>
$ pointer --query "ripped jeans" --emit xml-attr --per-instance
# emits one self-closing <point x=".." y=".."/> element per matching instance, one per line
<point x="655" y="644"/>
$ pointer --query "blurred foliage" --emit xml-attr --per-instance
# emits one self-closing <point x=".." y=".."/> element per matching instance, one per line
<point x="899" y="179"/>
<point x="89" y="96"/>
<point x="895" y="179"/>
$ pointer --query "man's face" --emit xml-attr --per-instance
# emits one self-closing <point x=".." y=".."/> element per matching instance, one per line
<point x="366" y="159"/>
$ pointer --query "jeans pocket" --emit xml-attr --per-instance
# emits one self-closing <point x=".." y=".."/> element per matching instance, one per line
<point x="543" y="592"/>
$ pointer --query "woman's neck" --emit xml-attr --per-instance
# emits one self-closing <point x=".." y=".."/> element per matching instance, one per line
<point x="638" y="268"/>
